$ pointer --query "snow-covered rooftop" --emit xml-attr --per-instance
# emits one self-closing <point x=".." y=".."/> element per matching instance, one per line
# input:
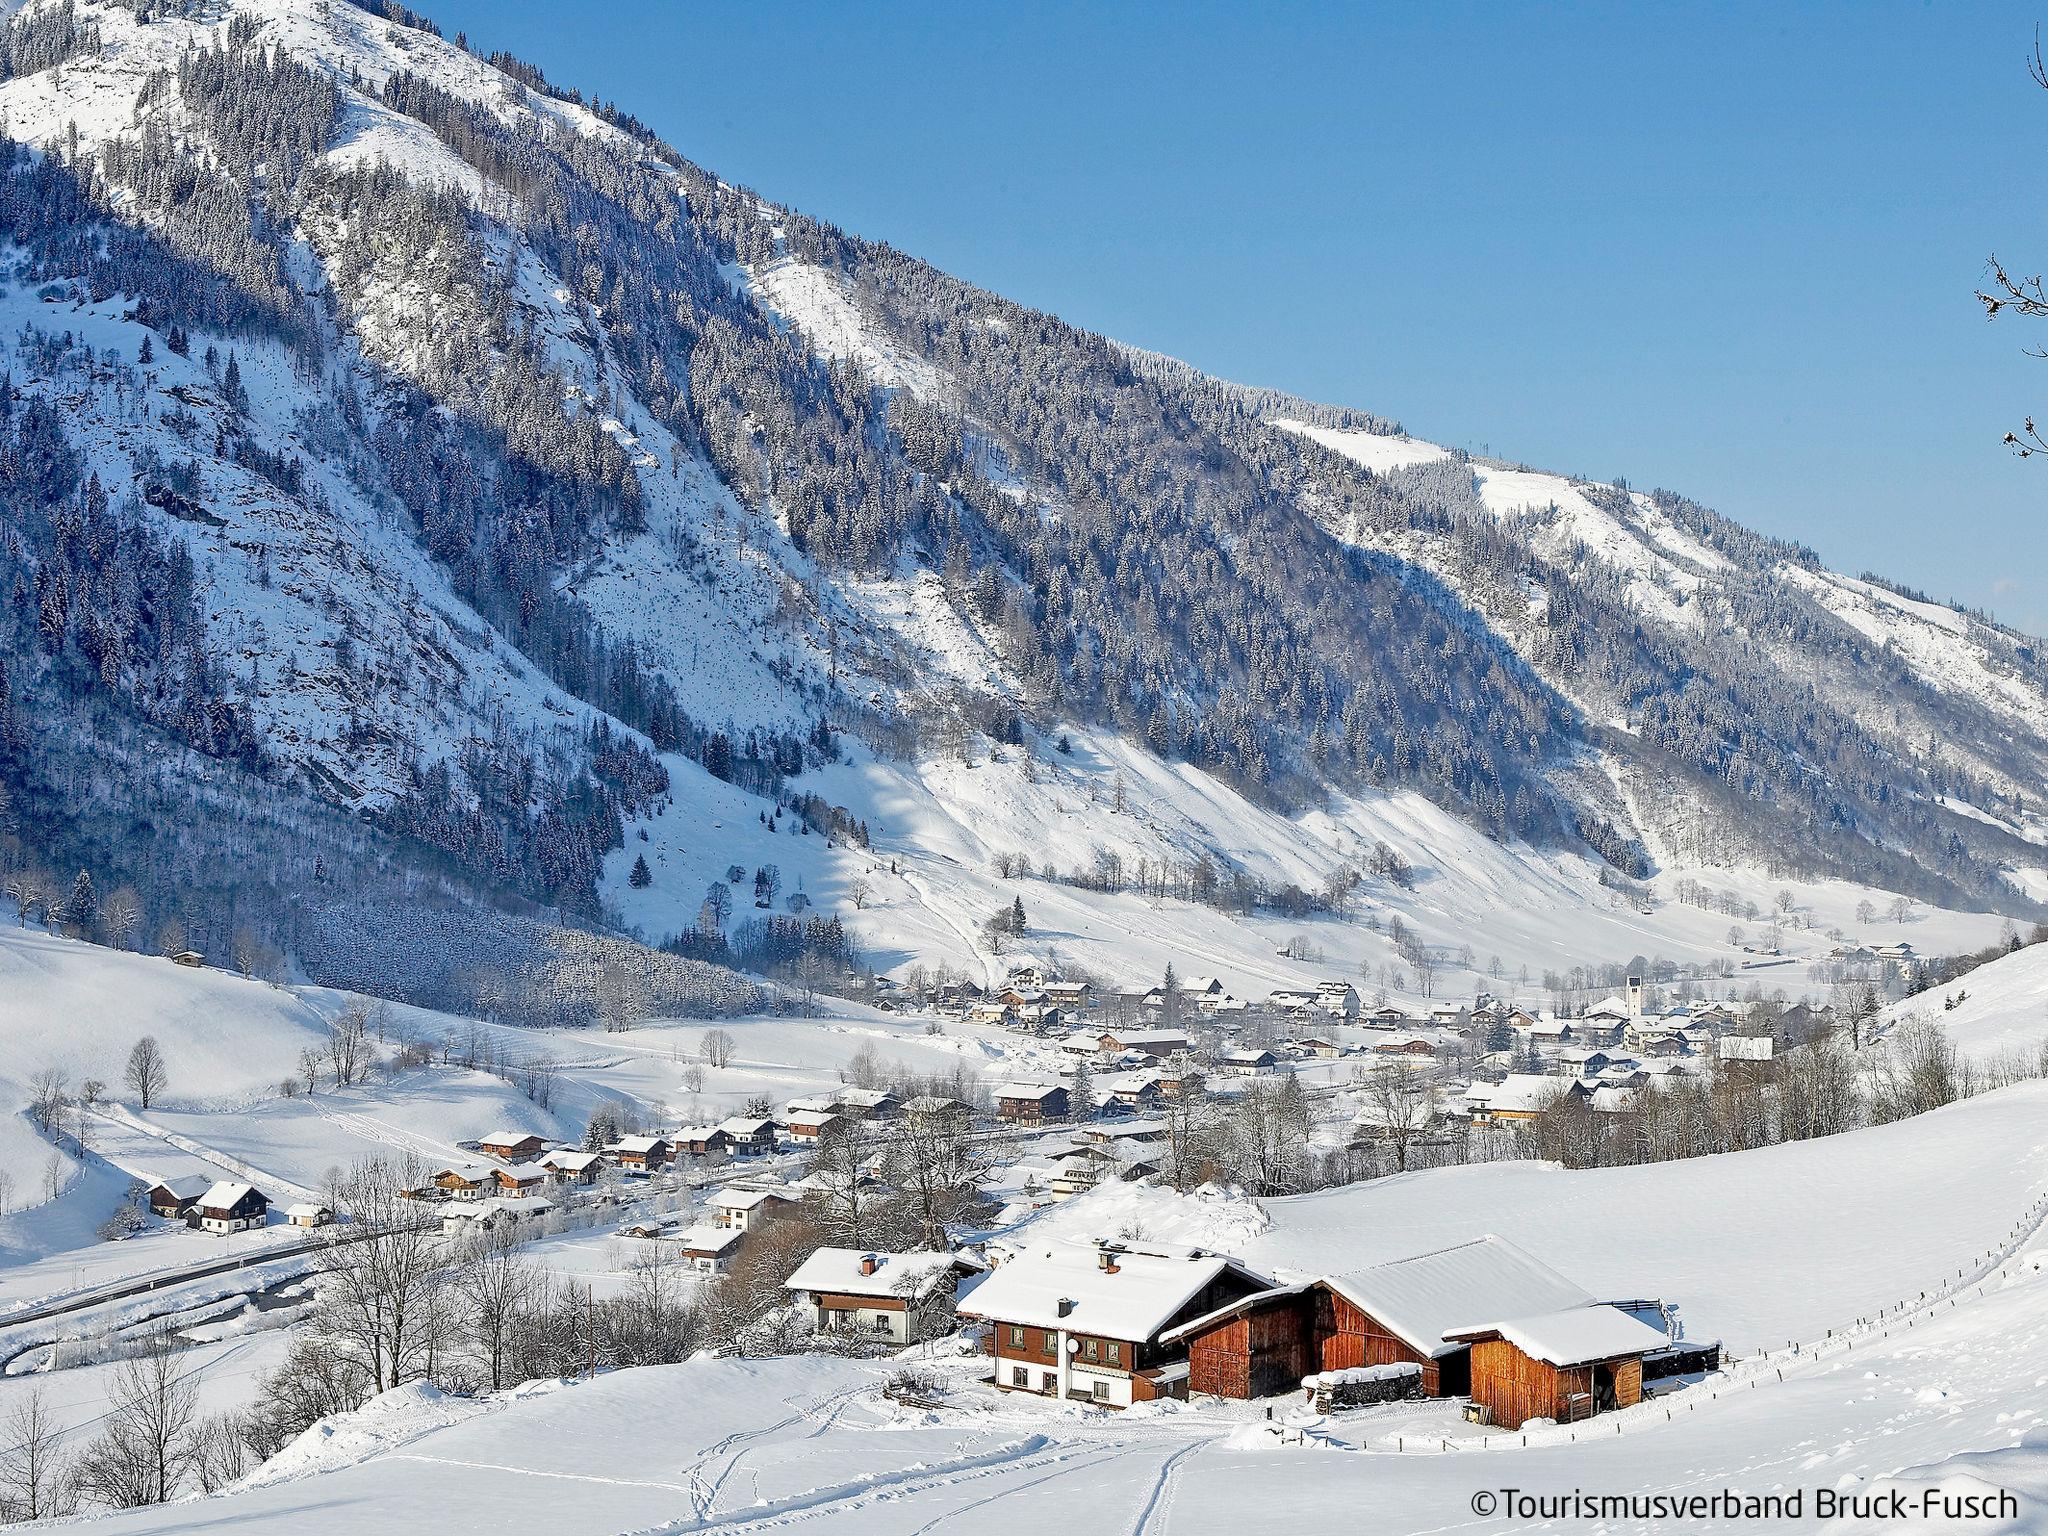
<point x="1066" y="1285"/>
<point x="1572" y="1335"/>
<point x="846" y="1271"/>
<point x="1421" y="1298"/>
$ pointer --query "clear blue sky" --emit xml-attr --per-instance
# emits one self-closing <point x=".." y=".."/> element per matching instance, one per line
<point x="1725" y="249"/>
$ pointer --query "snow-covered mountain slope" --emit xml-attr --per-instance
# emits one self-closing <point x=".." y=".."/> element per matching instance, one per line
<point x="1997" y="1012"/>
<point x="539" y="490"/>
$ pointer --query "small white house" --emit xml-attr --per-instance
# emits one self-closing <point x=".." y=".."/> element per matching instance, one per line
<point x="710" y="1250"/>
<point x="305" y="1214"/>
<point x="887" y="1297"/>
<point x="744" y="1209"/>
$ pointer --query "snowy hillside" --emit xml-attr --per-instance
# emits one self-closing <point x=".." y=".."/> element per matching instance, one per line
<point x="1934" y="1389"/>
<point x="1999" y="1011"/>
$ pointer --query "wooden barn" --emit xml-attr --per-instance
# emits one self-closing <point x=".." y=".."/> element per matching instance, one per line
<point x="1389" y="1314"/>
<point x="1564" y="1366"/>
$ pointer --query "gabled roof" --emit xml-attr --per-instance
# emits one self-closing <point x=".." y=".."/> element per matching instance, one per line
<point x="223" y="1195"/>
<point x="1572" y="1335"/>
<point x="746" y="1125"/>
<point x="712" y="1240"/>
<point x="509" y="1138"/>
<point x="747" y="1199"/>
<point x="1143" y="1294"/>
<point x="638" y="1145"/>
<point x="569" y="1159"/>
<point x="1421" y="1298"/>
<point x="896" y="1274"/>
<point x="188" y="1186"/>
<point x="1033" y="1091"/>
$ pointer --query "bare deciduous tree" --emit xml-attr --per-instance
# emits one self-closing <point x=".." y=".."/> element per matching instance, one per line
<point x="145" y="1447"/>
<point x="34" y="1480"/>
<point x="147" y="1072"/>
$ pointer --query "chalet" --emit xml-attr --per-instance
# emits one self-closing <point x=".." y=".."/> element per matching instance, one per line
<point x="175" y="1197"/>
<point x="808" y="1127"/>
<point x="869" y="1104"/>
<point x="1387" y="1016"/>
<point x="1319" y="1046"/>
<point x="931" y="1109"/>
<point x="748" y="1135"/>
<point x="1130" y="1131"/>
<point x="1134" y="1090"/>
<point x="568" y="1167"/>
<point x="639" y="1154"/>
<point x="1412" y="1311"/>
<point x="308" y="1215"/>
<point x="1068" y="996"/>
<point x="1519" y="1096"/>
<point x="1422" y="1047"/>
<point x="1155" y="1043"/>
<point x="230" y="1207"/>
<point x="1025" y="975"/>
<point x="192" y="959"/>
<point x="511" y="1146"/>
<point x="888" y="1297"/>
<point x="1661" y="1045"/>
<point x="1613" y="1010"/>
<point x="1290" y="1000"/>
<point x="993" y="1015"/>
<point x="472" y="1181"/>
<point x="484" y="1215"/>
<point x="523" y="1179"/>
<point x="1564" y="1365"/>
<point x="1030" y="1103"/>
<point x="1585" y="1060"/>
<point x="812" y="1103"/>
<point x="1339" y="999"/>
<point x="1245" y="1061"/>
<point x="709" y="1250"/>
<point x="704" y="1143"/>
<point x="1103" y="1162"/>
<point x="1559" y="1032"/>
<point x="746" y="1210"/>
<point x="1088" y="1320"/>
<point x="1520" y="1018"/>
<point x="1017" y="997"/>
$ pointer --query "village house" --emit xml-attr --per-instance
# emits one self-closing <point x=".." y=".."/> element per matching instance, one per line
<point x="1030" y="1103"/>
<point x="511" y="1146"/>
<point x="808" y="1127"/>
<point x="1318" y="1046"/>
<point x="306" y="1214"/>
<point x="702" y="1143"/>
<point x="1339" y="999"/>
<point x="469" y="1181"/>
<point x="934" y="1110"/>
<point x="1386" y="1016"/>
<point x="525" y="1179"/>
<point x="1568" y="1356"/>
<point x="570" y="1167"/>
<point x="1519" y="1096"/>
<point x="1551" y="1032"/>
<point x="1245" y="1061"/>
<point x="486" y="1215"/>
<point x="891" y="1298"/>
<point x="228" y="1206"/>
<point x="1086" y="1320"/>
<point x="639" y="1154"/>
<point x="747" y="1210"/>
<point x="868" y="1104"/>
<point x="827" y="1102"/>
<point x="1070" y="997"/>
<point x="748" y="1135"/>
<point x="1154" y="1044"/>
<point x="1133" y="1090"/>
<point x="710" y="1250"/>
<point x="174" y="1198"/>
<point x="1420" y="1047"/>
<point x="1102" y="1162"/>
<point x="1290" y="1000"/>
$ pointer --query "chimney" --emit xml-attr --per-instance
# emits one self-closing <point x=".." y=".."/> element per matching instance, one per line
<point x="1066" y="1305"/>
<point x="869" y="1263"/>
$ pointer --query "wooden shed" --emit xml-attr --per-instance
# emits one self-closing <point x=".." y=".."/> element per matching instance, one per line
<point x="1563" y="1366"/>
